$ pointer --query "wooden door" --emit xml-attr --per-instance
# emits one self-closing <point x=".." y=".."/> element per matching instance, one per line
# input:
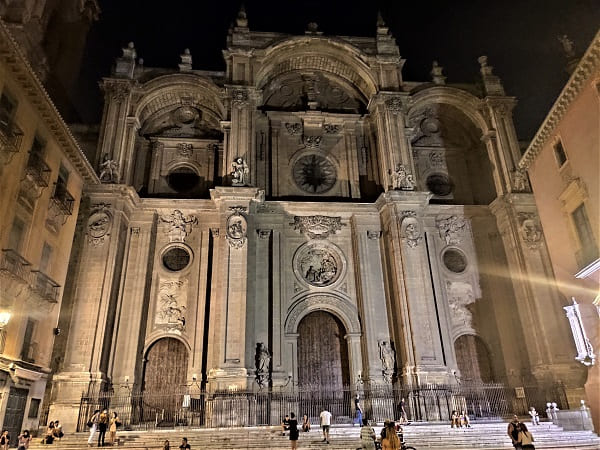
<point x="15" y="411"/>
<point x="473" y="359"/>
<point x="322" y="352"/>
<point x="166" y="366"/>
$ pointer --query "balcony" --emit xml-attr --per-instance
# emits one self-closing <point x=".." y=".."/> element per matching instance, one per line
<point x="10" y="141"/>
<point x="62" y="200"/>
<point x="44" y="286"/>
<point x="14" y="265"/>
<point x="37" y="170"/>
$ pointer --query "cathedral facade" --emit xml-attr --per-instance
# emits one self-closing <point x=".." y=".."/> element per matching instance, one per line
<point x="306" y="218"/>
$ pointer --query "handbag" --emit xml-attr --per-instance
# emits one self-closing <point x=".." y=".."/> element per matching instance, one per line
<point x="90" y="424"/>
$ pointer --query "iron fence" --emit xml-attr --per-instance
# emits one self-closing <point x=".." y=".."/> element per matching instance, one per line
<point x="428" y="403"/>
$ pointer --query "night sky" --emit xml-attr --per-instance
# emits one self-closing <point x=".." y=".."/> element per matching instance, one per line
<point x="519" y="37"/>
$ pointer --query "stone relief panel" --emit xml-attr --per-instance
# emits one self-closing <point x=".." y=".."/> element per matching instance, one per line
<point x="99" y="224"/>
<point x="177" y="226"/>
<point x="171" y="304"/>
<point x="317" y="227"/>
<point x="460" y="296"/>
<point x="451" y="229"/>
<point x="319" y="264"/>
<point x="237" y="227"/>
<point x="530" y="230"/>
<point x="410" y="230"/>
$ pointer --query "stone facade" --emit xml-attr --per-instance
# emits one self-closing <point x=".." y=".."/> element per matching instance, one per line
<point x="566" y="150"/>
<point x="309" y="180"/>
<point x="42" y="174"/>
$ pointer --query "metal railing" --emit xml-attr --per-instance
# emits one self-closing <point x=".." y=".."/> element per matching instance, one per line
<point x="14" y="264"/>
<point x="428" y="403"/>
<point x="37" y="170"/>
<point x="10" y="140"/>
<point x="62" y="199"/>
<point x="44" y="286"/>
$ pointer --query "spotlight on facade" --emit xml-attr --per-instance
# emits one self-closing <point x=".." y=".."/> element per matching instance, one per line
<point x="4" y="318"/>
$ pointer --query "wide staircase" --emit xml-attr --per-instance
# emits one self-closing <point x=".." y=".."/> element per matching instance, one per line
<point x="488" y="436"/>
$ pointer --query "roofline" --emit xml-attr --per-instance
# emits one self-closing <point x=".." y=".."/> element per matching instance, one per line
<point x="14" y="58"/>
<point x="587" y="66"/>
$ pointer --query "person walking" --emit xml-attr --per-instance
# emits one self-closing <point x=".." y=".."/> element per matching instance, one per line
<point x="513" y="431"/>
<point x="24" y="440"/>
<point x="102" y="427"/>
<point x="358" y="410"/>
<point x="525" y="438"/>
<point x="325" y="418"/>
<point x="367" y="436"/>
<point x="112" y="428"/>
<point x="93" y="424"/>
<point x="403" y="416"/>
<point x="294" y="433"/>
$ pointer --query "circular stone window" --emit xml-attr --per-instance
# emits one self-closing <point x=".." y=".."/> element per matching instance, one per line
<point x="440" y="184"/>
<point x="314" y="174"/>
<point x="318" y="264"/>
<point x="454" y="260"/>
<point x="176" y="259"/>
<point x="183" y="179"/>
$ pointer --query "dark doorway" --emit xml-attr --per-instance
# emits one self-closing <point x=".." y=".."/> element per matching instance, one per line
<point x="15" y="411"/>
<point x="473" y="359"/>
<point x="322" y="352"/>
<point x="166" y="366"/>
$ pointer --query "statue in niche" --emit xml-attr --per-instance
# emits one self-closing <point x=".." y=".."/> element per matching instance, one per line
<point x="109" y="170"/>
<point x="520" y="180"/>
<point x="388" y="360"/>
<point x="401" y="179"/>
<point x="239" y="176"/>
<point x="262" y="361"/>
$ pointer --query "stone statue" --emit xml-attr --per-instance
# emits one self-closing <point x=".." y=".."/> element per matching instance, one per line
<point x="388" y="360"/>
<point x="262" y="361"/>
<point x="568" y="46"/>
<point x="109" y="170"/>
<point x="179" y="225"/>
<point x="401" y="179"/>
<point x="239" y="176"/>
<point x="520" y="180"/>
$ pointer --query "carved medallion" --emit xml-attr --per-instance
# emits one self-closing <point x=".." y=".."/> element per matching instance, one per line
<point x="318" y="264"/>
<point x="237" y="228"/>
<point x="331" y="129"/>
<point x="317" y="227"/>
<point x="99" y="224"/>
<point x="531" y="233"/>
<point x="185" y="150"/>
<point x="314" y="174"/>
<point x="312" y="141"/>
<point x="293" y="128"/>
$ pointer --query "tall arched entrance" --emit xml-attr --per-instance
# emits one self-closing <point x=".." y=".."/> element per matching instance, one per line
<point x="322" y="351"/>
<point x="166" y="366"/>
<point x="473" y="359"/>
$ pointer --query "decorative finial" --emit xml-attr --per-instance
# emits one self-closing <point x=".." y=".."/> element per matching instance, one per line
<point x="568" y="46"/>
<point x="125" y="65"/>
<point x="482" y="61"/>
<point x="186" y="61"/>
<point x="492" y="83"/>
<point x="436" y="73"/>
<point x="380" y="21"/>
<point x="312" y="27"/>
<point x="242" y="18"/>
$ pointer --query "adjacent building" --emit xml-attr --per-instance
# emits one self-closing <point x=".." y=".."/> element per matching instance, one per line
<point x="42" y="174"/>
<point x="563" y="162"/>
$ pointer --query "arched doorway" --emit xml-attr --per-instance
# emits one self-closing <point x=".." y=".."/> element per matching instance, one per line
<point x="473" y="359"/>
<point x="166" y="366"/>
<point x="322" y="351"/>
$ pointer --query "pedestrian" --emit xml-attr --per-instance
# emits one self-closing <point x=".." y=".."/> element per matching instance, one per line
<point x="92" y="423"/>
<point x="293" y="431"/>
<point x="102" y="427"/>
<point x="535" y="417"/>
<point x="325" y="418"/>
<point x="112" y="428"/>
<point x="367" y="436"/>
<point x="513" y="431"/>
<point x="358" y="410"/>
<point x="184" y="444"/>
<point x="554" y="409"/>
<point x="24" y="440"/>
<point x="58" y="432"/>
<point x="391" y="441"/>
<point x="166" y="445"/>
<point x="525" y="438"/>
<point x="305" y="423"/>
<point x="4" y="440"/>
<point x="403" y="416"/>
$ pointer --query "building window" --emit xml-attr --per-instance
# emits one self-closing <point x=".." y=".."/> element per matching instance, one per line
<point x="8" y="107"/>
<point x="588" y="251"/>
<point x="45" y="259"/>
<point x="34" y="408"/>
<point x="559" y="152"/>
<point x="17" y="232"/>
<point x="28" y="349"/>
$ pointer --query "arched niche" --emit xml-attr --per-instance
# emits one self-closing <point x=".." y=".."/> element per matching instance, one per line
<point x="473" y="359"/>
<point x="451" y="160"/>
<point x="339" y="307"/>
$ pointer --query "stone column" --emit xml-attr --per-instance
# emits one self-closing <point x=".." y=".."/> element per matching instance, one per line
<point x="228" y="340"/>
<point x="241" y="144"/>
<point x="549" y="348"/>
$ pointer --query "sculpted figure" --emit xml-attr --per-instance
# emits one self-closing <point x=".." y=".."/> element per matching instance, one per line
<point x="239" y="176"/>
<point x="262" y="361"/>
<point x="388" y="360"/>
<point x="109" y="170"/>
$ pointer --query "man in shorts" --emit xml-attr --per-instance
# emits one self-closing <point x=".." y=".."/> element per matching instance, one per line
<point x="325" y="418"/>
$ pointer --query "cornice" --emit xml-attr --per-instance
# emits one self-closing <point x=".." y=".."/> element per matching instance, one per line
<point x="14" y="59"/>
<point x="588" y="66"/>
